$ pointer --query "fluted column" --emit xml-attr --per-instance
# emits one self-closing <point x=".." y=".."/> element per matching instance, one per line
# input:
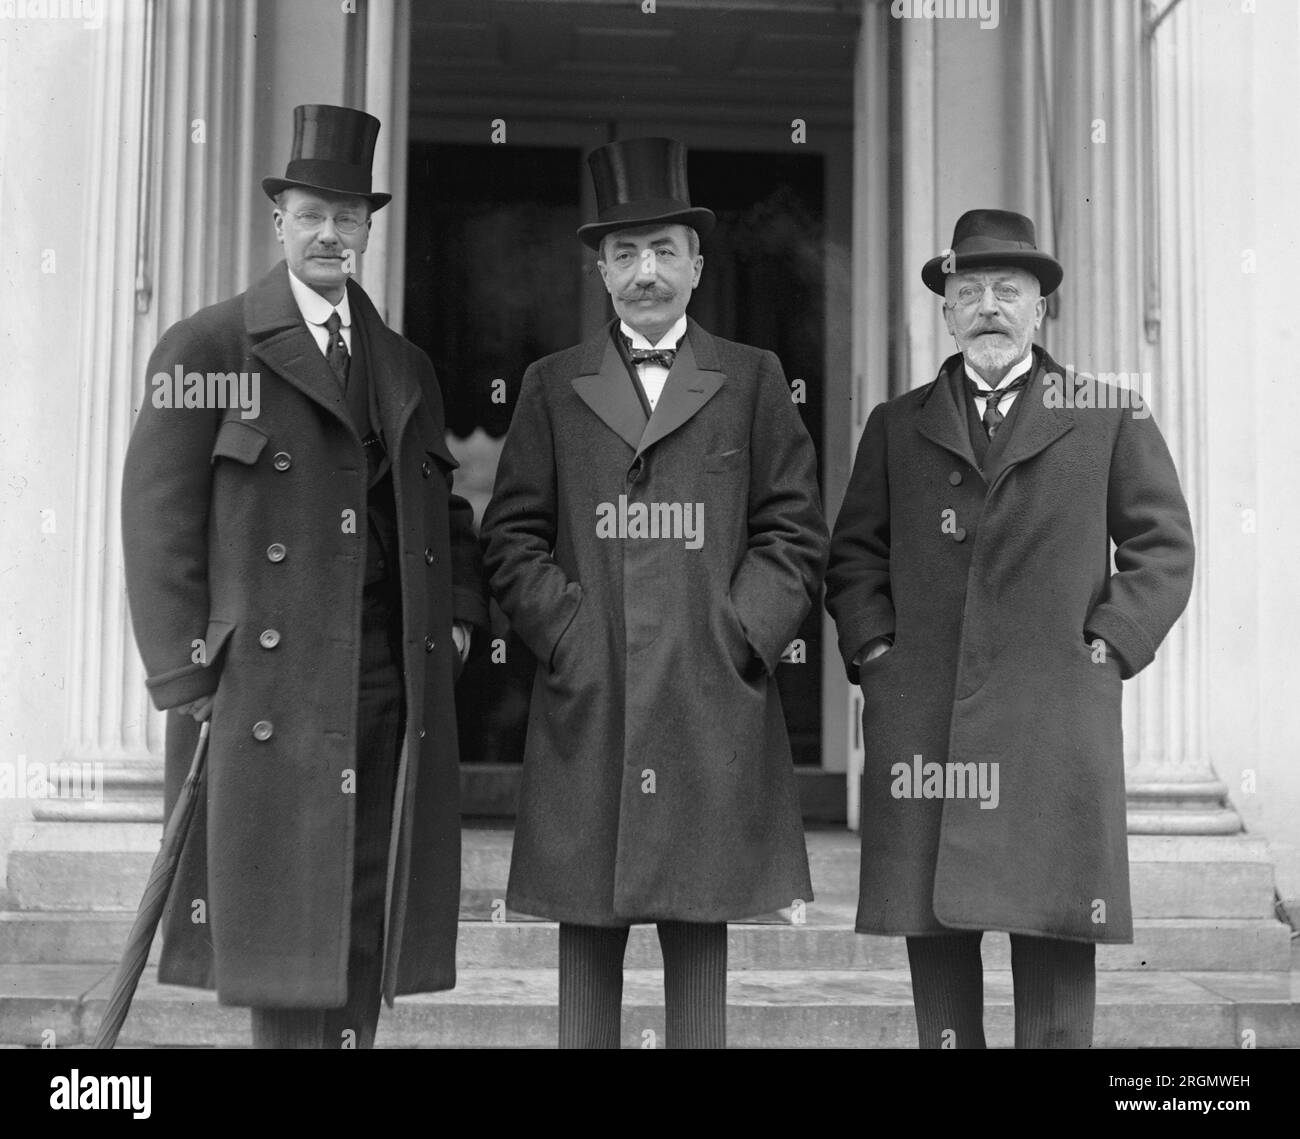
<point x="1173" y="788"/>
<point x="109" y="730"/>
<point x="1125" y="219"/>
<point x="387" y="97"/>
<point x="870" y="347"/>
<point x="165" y="234"/>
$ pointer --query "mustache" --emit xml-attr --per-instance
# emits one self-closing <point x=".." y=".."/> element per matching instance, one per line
<point x="654" y="292"/>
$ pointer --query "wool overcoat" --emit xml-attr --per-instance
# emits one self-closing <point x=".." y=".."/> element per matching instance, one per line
<point x="993" y="587"/>
<point x="657" y="780"/>
<point x="245" y="544"/>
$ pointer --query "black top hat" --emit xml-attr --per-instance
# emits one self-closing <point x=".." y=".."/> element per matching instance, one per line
<point x="993" y="237"/>
<point x="333" y="148"/>
<point x="641" y="181"/>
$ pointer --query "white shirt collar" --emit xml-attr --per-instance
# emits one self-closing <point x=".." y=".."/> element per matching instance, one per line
<point x="668" y="340"/>
<point x="1016" y="371"/>
<point x="316" y="309"/>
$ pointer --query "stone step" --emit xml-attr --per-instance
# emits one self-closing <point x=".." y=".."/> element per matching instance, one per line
<point x="1210" y="877"/>
<point x="62" y="1005"/>
<point x="825" y="941"/>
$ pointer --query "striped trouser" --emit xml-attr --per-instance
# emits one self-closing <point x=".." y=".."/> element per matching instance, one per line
<point x="1054" y="981"/>
<point x="695" y="984"/>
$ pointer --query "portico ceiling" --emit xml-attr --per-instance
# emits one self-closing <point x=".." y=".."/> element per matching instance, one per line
<point x="606" y="59"/>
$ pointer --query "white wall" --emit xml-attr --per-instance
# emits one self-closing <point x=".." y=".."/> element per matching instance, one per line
<point x="1248" y="161"/>
<point x="46" y="92"/>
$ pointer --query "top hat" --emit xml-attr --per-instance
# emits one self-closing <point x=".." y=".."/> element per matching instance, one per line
<point x="993" y="237"/>
<point x="641" y="181"/>
<point x="333" y="148"/>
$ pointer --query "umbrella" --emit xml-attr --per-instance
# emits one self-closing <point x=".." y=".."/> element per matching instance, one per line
<point x="155" y="898"/>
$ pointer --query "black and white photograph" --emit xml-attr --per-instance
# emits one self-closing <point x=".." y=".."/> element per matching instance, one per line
<point x="749" y="525"/>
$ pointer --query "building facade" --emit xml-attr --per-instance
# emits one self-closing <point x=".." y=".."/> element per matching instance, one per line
<point x="1156" y="147"/>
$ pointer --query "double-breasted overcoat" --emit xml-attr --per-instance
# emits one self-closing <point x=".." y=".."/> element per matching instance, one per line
<point x="245" y="542"/>
<point x="657" y="780"/>
<point x="994" y="588"/>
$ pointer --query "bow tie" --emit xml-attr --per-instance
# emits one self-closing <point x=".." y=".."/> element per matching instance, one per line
<point x="661" y="356"/>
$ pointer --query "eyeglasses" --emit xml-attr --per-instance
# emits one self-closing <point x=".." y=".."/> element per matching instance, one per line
<point x="311" y="220"/>
<point x="970" y="295"/>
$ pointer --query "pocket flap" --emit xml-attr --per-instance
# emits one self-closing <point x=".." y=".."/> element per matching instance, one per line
<point x="215" y="640"/>
<point x="238" y="440"/>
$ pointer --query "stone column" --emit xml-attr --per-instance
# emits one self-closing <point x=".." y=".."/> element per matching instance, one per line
<point x="1125" y="229"/>
<point x="869" y="331"/>
<point x="168" y="229"/>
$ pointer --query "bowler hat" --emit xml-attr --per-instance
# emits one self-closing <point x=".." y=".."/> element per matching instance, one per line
<point x="993" y="237"/>
<point x="641" y="181"/>
<point x="333" y="148"/>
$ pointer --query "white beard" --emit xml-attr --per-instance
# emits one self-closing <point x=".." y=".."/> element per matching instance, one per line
<point x="990" y="355"/>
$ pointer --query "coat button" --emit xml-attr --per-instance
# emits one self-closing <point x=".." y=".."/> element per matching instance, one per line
<point x="283" y="461"/>
<point x="960" y="534"/>
<point x="955" y="478"/>
<point x="275" y="552"/>
<point x="429" y="644"/>
<point x="635" y="471"/>
<point x="429" y="556"/>
<point x="426" y="468"/>
<point x="262" y="730"/>
<point x="269" y="638"/>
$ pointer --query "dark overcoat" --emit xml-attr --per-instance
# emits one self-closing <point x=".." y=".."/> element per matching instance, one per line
<point x="992" y="609"/>
<point x="657" y="780"/>
<point x="238" y="533"/>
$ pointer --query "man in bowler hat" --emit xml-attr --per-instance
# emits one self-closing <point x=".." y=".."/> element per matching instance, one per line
<point x="977" y="605"/>
<point x="306" y="579"/>
<point x="655" y="536"/>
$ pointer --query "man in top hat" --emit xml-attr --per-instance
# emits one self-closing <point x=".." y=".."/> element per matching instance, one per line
<point x="972" y="585"/>
<point x="306" y="579"/>
<point x="655" y="536"/>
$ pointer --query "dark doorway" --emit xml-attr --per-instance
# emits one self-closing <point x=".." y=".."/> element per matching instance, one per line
<point x="494" y="281"/>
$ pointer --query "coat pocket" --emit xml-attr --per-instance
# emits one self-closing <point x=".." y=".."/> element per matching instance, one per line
<point x="726" y="459"/>
<point x="560" y="649"/>
<point x="238" y="440"/>
<point x="742" y="652"/>
<point x="438" y="451"/>
<point x="215" y="640"/>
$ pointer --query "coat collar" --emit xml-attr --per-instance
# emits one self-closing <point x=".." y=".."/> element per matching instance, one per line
<point x="1038" y="426"/>
<point x="604" y="386"/>
<point x="943" y="420"/>
<point x="281" y="339"/>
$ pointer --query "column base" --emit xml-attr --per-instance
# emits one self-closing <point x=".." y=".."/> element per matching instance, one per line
<point x="1173" y="807"/>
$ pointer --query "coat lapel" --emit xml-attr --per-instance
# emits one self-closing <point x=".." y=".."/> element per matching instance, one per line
<point x="392" y="380"/>
<point x="942" y="419"/>
<point x="692" y="381"/>
<point x="606" y="388"/>
<point x="1037" y="426"/>
<point x="280" y="338"/>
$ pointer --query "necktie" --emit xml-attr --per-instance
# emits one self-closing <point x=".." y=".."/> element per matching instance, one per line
<point x="336" y="351"/>
<point x="992" y="417"/>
